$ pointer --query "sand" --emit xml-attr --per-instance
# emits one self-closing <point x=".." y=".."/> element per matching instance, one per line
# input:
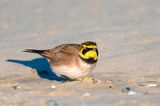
<point x="128" y="38"/>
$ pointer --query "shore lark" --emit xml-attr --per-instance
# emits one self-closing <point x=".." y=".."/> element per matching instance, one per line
<point x="71" y="60"/>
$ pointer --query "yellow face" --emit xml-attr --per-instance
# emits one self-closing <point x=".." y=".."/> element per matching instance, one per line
<point x="88" y="50"/>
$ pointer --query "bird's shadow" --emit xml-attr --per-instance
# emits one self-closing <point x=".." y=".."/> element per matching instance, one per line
<point x="42" y="66"/>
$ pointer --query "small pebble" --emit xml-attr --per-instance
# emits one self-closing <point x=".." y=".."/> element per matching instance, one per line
<point x="16" y="87"/>
<point x="53" y="87"/>
<point x="149" y="84"/>
<point x="86" y="94"/>
<point x="129" y="91"/>
<point x="52" y="103"/>
<point x="152" y="85"/>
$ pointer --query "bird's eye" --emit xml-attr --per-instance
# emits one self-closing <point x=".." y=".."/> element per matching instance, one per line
<point x="84" y="51"/>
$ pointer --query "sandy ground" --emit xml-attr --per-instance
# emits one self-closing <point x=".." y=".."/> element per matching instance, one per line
<point x="128" y="38"/>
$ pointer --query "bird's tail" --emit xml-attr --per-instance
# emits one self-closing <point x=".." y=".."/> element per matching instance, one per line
<point x="34" y="51"/>
<point x="44" y="53"/>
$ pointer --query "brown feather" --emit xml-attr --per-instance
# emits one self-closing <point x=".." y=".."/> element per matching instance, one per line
<point x="62" y="54"/>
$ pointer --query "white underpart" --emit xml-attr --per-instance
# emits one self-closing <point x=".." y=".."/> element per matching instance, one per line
<point x="74" y="71"/>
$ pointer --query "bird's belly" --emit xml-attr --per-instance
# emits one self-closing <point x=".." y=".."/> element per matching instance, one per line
<point x="71" y="72"/>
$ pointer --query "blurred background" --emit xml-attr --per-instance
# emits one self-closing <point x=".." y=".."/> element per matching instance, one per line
<point x="126" y="31"/>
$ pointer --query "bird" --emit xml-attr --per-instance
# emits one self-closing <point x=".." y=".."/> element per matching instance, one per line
<point x="73" y="61"/>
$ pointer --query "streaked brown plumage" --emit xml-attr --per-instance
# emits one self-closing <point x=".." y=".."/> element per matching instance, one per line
<point x="66" y="60"/>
